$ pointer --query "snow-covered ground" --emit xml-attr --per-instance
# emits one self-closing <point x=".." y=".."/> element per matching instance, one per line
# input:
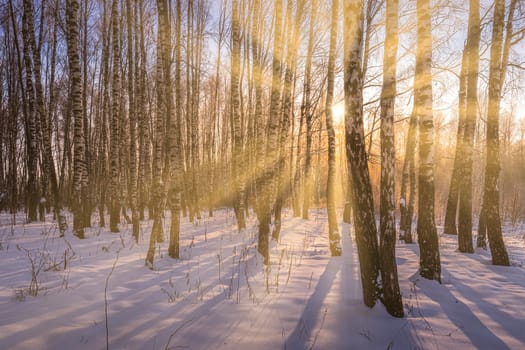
<point x="219" y="295"/>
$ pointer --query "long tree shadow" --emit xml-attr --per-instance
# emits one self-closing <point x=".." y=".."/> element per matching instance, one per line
<point x="502" y="272"/>
<point x="461" y="315"/>
<point x="304" y="330"/>
<point x="511" y="323"/>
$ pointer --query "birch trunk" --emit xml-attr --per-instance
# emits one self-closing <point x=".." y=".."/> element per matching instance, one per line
<point x="158" y="181"/>
<point x="72" y="24"/>
<point x="406" y="201"/>
<point x="430" y="265"/>
<point x="31" y="121"/>
<point x="391" y="293"/>
<point x="114" y="140"/>
<point x="238" y="158"/>
<point x="465" y="197"/>
<point x="454" y="189"/>
<point x="270" y="166"/>
<point x="292" y="34"/>
<point x="333" y="231"/>
<point x="492" y="167"/>
<point x="362" y="201"/>
<point x="174" y="131"/>
<point x="308" y="112"/>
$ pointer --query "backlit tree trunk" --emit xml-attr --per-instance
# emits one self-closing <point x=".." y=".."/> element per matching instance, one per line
<point x="175" y="149"/>
<point x="362" y="201"/>
<point x="408" y="182"/>
<point x="333" y="231"/>
<point x="465" y="196"/>
<point x="492" y="167"/>
<point x="293" y="27"/>
<point x="430" y="265"/>
<point x="144" y="177"/>
<point x="307" y="111"/>
<point x="260" y="151"/>
<point x="238" y="172"/>
<point x="390" y="284"/>
<point x="454" y="189"/>
<point x="270" y="163"/>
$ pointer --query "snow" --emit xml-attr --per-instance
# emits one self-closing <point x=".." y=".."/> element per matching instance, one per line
<point x="219" y="295"/>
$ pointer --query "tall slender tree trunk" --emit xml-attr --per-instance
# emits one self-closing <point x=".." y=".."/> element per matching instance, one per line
<point x="465" y="197"/>
<point x="406" y="201"/>
<point x="308" y="112"/>
<point x="363" y="207"/>
<point x="237" y="158"/>
<point x="175" y="150"/>
<point x="482" y="226"/>
<point x="47" y="155"/>
<point x="13" y="110"/>
<point x="260" y="171"/>
<point x="216" y="112"/>
<point x="114" y="141"/>
<point x="31" y="121"/>
<point x="454" y="188"/>
<point x="296" y="188"/>
<point x="158" y="181"/>
<point x="132" y="126"/>
<point x="333" y="230"/>
<point x="103" y="144"/>
<point x="144" y="142"/>
<point x="72" y="24"/>
<point x="85" y="193"/>
<point x="387" y="252"/>
<point x="195" y="99"/>
<point x="271" y="163"/>
<point x="292" y="34"/>
<point x="492" y="166"/>
<point x="430" y="265"/>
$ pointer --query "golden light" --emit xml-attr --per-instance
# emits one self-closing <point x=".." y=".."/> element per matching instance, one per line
<point x="338" y="113"/>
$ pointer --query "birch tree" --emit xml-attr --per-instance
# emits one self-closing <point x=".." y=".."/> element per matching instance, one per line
<point x="293" y="27"/>
<point x="31" y="121"/>
<point x="132" y="124"/>
<point x="161" y="96"/>
<point x="362" y="201"/>
<point x="333" y="231"/>
<point x="175" y="150"/>
<point x="509" y="41"/>
<point x="390" y="284"/>
<point x="492" y="165"/>
<point x="465" y="197"/>
<point x="236" y="118"/>
<point x="270" y="163"/>
<point x="408" y="182"/>
<point x="307" y="111"/>
<point x="75" y="96"/>
<point x="430" y="265"/>
<point x="454" y="189"/>
<point x="114" y="141"/>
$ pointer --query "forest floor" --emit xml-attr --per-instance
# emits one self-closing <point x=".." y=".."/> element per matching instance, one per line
<point x="219" y="295"/>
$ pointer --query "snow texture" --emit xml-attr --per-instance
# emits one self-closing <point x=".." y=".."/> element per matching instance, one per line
<point x="219" y="295"/>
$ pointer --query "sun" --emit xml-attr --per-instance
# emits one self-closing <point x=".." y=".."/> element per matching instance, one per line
<point x="338" y="113"/>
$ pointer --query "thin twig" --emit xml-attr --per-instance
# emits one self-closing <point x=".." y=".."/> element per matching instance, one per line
<point x="175" y="332"/>
<point x="106" y="300"/>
